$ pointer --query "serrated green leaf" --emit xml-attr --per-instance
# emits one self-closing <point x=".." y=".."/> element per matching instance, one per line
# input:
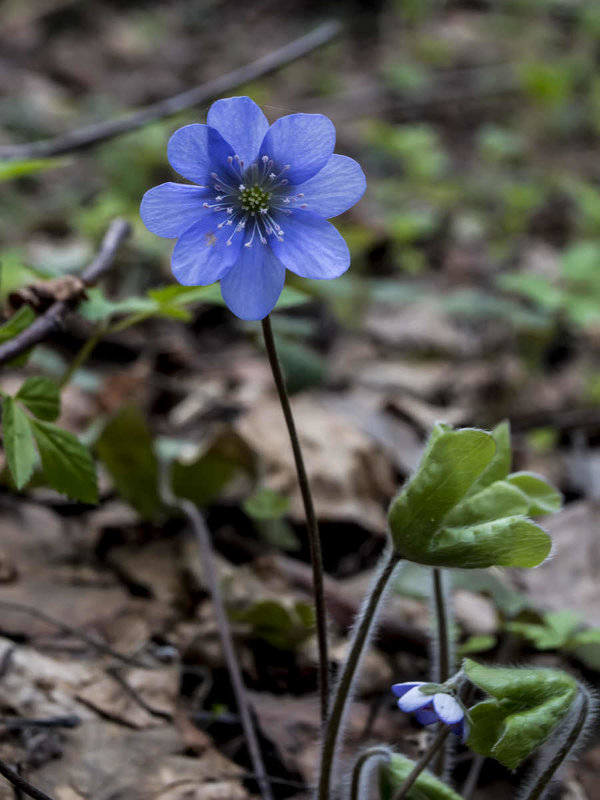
<point x="68" y="465"/>
<point x="451" y="463"/>
<point x="18" y="442"/>
<point x="543" y="498"/>
<point x="527" y="707"/>
<point x="41" y="396"/>
<point x="126" y="449"/>
<point x="394" y="772"/>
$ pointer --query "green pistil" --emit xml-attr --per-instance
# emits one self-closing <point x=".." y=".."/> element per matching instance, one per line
<point x="253" y="199"/>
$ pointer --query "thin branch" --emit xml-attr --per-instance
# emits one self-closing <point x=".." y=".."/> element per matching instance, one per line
<point x="94" y="134"/>
<point x="52" y="319"/>
<point x="96" y="644"/>
<point x="21" y="784"/>
<point x="203" y="539"/>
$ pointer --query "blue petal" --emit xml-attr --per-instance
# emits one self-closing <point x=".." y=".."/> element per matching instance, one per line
<point x="169" y="209"/>
<point x="201" y="256"/>
<point x="253" y="286"/>
<point x="426" y="716"/>
<point x="448" y="709"/>
<point x="413" y="700"/>
<point x="400" y="689"/>
<point x="241" y="123"/>
<point x="311" y="246"/>
<point x="336" y="188"/>
<point x="197" y="150"/>
<point x="304" y="141"/>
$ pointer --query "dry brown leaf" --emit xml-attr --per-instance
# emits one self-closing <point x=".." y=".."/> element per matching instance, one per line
<point x="132" y="699"/>
<point x="105" y="761"/>
<point x="351" y="479"/>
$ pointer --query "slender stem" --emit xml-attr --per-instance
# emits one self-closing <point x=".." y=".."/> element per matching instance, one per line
<point x="443" y="633"/>
<point x="312" y="524"/>
<point x="563" y="751"/>
<point x="442" y="640"/>
<point x="362" y="629"/>
<point x="437" y="743"/>
<point x="84" y="352"/>
<point x="372" y="752"/>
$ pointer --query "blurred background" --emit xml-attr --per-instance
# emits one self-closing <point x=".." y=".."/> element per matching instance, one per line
<point x="473" y="296"/>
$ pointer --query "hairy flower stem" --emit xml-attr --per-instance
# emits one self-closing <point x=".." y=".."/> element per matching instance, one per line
<point x="541" y="783"/>
<point x="361" y="761"/>
<point x="360" y="636"/>
<point x="442" y="640"/>
<point x="437" y="743"/>
<point x="312" y="524"/>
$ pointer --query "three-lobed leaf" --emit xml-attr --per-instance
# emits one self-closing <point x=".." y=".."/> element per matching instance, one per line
<point x="525" y="709"/>
<point x="463" y="509"/>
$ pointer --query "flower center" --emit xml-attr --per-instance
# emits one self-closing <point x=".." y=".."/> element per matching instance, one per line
<point x="254" y="198"/>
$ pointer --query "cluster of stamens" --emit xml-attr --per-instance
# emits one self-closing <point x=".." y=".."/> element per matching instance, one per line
<point x="250" y="203"/>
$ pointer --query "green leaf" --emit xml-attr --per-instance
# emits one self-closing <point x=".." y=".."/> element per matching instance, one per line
<point x="553" y="634"/>
<point x="20" y="320"/>
<point x="476" y="644"/>
<point x="451" y="463"/>
<point x="463" y="510"/>
<point x="18" y="169"/>
<point x="183" y="296"/>
<point x="393" y="773"/>
<point x="203" y="479"/>
<point x="543" y="498"/>
<point x="126" y="449"/>
<point x="585" y="646"/>
<point x="509" y="542"/>
<point x="41" y="396"/>
<point x="266" y="504"/>
<point x="527" y="707"/>
<point x="18" y="442"/>
<point x="98" y="307"/>
<point x="281" y="623"/>
<point x="68" y="465"/>
<point x="499" y="466"/>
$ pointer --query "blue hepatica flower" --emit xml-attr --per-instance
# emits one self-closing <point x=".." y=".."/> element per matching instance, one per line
<point x="260" y="205"/>
<point x="430" y="708"/>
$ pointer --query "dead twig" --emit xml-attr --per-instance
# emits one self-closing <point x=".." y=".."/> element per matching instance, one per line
<point x="20" y="784"/>
<point x="52" y="319"/>
<point x="97" y="645"/>
<point x="18" y="723"/>
<point x="202" y="536"/>
<point x="94" y="134"/>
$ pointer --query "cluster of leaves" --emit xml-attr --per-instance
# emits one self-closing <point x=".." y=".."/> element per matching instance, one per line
<point x="463" y="509"/>
<point x="27" y="419"/>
